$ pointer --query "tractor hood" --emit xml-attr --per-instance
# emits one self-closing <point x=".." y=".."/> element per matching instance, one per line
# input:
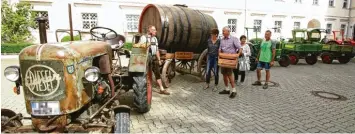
<point x="67" y="50"/>
<point x="55" y="72"/>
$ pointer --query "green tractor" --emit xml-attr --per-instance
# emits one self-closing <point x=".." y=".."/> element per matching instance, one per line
<point x="280" y="56"/>
<point x="304" y="45"/>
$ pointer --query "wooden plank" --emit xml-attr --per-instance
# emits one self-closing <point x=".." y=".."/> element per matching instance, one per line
<point x="184" y="55"/>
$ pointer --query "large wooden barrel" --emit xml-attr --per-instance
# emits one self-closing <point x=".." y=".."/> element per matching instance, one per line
<point x="179" y="28"/>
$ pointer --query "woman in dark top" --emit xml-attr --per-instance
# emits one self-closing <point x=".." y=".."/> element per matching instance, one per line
<point x="212" y="58"/>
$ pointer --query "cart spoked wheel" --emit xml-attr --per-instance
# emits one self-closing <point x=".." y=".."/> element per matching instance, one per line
<point x="202" y="66"/>
<point x="344" y="59"/>
<point x="311" y="60"/>
<point x="293" y="58"/>
<point x="284" y="61"/>
<point x="6" y="114"/>
<point x="183" y="65"/>
<point x="142" y="87"/>
<point x="327" y="58"/>
<point x="168" y="73"/>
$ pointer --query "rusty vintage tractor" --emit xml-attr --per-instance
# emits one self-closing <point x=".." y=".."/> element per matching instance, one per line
<point x="74" y="86"/>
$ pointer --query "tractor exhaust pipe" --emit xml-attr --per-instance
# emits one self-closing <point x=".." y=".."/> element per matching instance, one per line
<point x="42" y="29"/>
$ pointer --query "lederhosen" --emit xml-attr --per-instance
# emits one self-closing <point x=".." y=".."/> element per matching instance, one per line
<point x="155" y="62"/>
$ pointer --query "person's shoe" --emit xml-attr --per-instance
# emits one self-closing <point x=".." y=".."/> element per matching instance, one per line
<point x="215" y="88"/>
<point x="206" y="87"/>
<point x="265" y="86"/>
<point x="257" y="83"/>
<point x="236" y="83"/>
<point x="224" y="92"/>
<point x="232" y="95"/>
<point x="241" y="83"/>
<point x="164" y="92"/>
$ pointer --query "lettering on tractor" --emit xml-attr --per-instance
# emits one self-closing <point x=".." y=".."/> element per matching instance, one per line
<point x="42" y="80"/>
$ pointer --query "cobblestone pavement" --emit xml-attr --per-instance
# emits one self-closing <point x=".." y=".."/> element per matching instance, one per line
<point x="290" y="107"/>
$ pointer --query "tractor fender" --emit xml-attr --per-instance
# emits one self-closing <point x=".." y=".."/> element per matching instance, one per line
<point x="121" y="108"/>
<point x="8" y="112"/>
<point x="332" y="42"/>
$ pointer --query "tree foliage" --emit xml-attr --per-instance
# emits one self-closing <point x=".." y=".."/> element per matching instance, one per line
<point x="16" y="22"/>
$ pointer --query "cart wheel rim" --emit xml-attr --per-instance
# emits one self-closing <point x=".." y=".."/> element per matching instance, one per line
<point x="293" y="59"/>
<point x="326" y="58"/>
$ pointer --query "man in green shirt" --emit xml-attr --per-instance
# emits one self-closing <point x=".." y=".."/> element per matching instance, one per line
<point x="265" y="58"/>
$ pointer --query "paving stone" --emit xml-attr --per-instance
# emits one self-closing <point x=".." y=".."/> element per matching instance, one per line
<point x="287" y="108"/>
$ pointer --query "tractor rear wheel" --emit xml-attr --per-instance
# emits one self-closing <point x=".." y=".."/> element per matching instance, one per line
<point x="284" y="61"/>
<point x="293" y="58"/>
<point x="311" y="60"/>
<point x="327" y="58"/>
<point x="142" y="87"/>
<point x="344" y="59"/>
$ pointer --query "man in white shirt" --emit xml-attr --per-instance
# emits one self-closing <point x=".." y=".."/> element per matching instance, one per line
<point x="150" y="37"/>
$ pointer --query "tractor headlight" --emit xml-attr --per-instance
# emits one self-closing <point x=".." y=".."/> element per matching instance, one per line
<point x="12" y="73"/>
<point x="92" y="74"/>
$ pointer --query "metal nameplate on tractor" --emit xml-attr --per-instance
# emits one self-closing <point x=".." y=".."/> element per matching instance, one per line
<point x="184" y="55"/>
<point x="45" y="108"/>
<point x="43" y="80"/>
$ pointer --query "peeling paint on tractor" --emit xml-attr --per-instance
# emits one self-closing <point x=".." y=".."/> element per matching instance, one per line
<point x="73" y="52"/>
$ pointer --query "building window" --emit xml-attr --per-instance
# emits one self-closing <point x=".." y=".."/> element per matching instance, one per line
<point x="345" y="4"/>
<point x="41" y="14"/>
<point x="296" y="25"/>
<point x="257" y="25"/>
<point x="331" y="3"/>
<point x="315" y="2"/>
<point x="132" y="22"/>
<point x="329" y="28"/>
<point x="232" y="24"/>
<point x="343" y="28"/>
<point x="278" y="26"/>
<point x="89" y="20"/>
<point x="298" y="1"/>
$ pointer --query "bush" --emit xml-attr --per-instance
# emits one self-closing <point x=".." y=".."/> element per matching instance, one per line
<point x="255" y="40"/>
<point x="67" y="38"/>
<point x="16" y="20"/>
<point x="13" y="47"/>
<point x="128" y="46"/>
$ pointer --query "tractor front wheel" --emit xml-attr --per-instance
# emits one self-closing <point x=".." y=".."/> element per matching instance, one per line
<point x="344" y="59"/>
<point x="142" y="87"/>
<point x="6" y="114"/>
<point x="327" y="58"/>
<point x="311" y="60"/>
<point x="284" y="61"/>
<point x="293" y="58"/>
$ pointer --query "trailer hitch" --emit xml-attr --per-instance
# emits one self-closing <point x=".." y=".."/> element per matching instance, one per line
<point x="48" y="127"/>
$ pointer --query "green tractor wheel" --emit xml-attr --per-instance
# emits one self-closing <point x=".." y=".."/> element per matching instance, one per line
<point x="311" y="60"/>
<point x="344" y="59"/>
<point x="284" y="61"/>
<point x="293" y="58"/>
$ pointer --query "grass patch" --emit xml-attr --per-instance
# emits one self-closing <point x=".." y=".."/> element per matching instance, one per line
<point x="128" y="46"/>
<point x="13" y="47"/>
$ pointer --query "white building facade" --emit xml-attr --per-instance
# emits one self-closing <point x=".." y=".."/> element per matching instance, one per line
<point x="123" y="15"/>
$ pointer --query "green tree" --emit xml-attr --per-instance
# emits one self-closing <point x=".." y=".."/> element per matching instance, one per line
<point x="16" y="21"/>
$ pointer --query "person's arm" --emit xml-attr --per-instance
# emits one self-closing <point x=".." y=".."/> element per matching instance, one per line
<point x="273" y="46"/>
<point x="248" y="53"/>
<point x="237" y="45"/>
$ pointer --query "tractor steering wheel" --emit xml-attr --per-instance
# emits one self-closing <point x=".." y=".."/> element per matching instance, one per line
<point x="102" y="32"/>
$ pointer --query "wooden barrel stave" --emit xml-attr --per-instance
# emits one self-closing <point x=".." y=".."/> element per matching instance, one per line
<point x="186" y="30"/>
